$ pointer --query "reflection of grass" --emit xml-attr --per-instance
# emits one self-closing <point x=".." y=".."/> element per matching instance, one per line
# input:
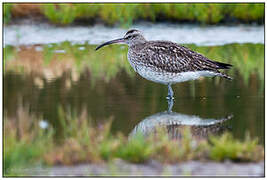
<point x="25" y="143"/>
<point x="8" y="53"/>
<point x="248" y="59"/>
<point x="125" y="14"/>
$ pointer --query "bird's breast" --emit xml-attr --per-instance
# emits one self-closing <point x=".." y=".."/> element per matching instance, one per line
<point x="133" y="60"/>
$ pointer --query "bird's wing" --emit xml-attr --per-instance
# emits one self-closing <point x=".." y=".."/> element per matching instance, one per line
<point x="170" y="57"/>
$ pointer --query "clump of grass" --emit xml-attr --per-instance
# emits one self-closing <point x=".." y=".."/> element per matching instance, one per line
<point x="226" y="147"/>
<point x="25" y="143"/>
<point x="60" y="14"/>
<point x="95" y="145"/>
<point x="99" y="146"/>
<point x="108" y="148"/>
<point x="19" y="154"/>
<point x="168" y="150"/>
<point x="79" y="141"/>
<point x="135" y="150"/>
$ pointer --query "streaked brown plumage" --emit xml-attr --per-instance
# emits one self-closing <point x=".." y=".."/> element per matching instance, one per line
<point x="167" y="56"/>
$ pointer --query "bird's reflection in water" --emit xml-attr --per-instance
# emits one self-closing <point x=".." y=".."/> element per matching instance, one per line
<point x="175" y="122"/>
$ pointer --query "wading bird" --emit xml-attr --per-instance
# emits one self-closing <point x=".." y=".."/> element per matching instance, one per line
<point x="166" y="62"/>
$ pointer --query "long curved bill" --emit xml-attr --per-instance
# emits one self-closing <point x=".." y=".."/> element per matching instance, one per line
<point x="120" y="40"/>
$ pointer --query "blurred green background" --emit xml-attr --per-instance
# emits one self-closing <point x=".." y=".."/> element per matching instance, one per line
<point x="126" y="14"/>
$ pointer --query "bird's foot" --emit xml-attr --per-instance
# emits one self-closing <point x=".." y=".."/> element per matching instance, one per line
<point x="169" y="97"/>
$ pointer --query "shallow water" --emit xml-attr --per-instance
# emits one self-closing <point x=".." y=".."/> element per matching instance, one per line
<point x="74" y="76"/>
<point x="41" y="33"/>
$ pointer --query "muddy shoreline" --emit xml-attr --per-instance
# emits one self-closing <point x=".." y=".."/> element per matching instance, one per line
<point x="152" y="168"/>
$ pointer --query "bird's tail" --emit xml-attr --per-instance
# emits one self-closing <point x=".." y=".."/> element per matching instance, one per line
<point x="221" y="65"/>
<point x="225" y="76"/>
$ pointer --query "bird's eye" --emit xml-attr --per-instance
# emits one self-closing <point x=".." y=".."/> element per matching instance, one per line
<point x="131" y="36"/>
<point x="128" y="37"/>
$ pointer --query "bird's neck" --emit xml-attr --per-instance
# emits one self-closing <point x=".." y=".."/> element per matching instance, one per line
<point x="137" y="46"/>
<point x="137" y="42"/>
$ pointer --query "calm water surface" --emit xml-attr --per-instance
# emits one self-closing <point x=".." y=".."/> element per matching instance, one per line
<point x="107" y="88"/>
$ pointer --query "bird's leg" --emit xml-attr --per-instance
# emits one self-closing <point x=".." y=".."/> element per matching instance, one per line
<point x="170" y="105"/>
<point x="170" y="92"/>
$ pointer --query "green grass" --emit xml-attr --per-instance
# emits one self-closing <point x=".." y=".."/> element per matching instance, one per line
<point x="136" y="150"/>
<point x="64" y="14"/>
<point x="26" y="144"/>
<point x="226" y="147"/>
<point x="20" y="154"/>
<point x="7" y="13"/>
<point x="126" y="14"/>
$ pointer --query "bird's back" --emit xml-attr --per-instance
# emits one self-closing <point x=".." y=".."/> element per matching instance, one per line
<point x="167" y="56"/>
<point x="167" y="62"/>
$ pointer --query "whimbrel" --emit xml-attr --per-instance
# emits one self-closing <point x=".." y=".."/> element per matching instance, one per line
<point x="166" y="62"/>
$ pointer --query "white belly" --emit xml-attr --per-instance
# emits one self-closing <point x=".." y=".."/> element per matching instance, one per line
<point x="170" y="78"/>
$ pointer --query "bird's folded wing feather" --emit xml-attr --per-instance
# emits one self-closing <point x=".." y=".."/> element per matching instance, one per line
<point x="170" y="57"/>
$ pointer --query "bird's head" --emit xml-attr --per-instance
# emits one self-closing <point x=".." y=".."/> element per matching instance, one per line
<point x="132" y="37"/>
